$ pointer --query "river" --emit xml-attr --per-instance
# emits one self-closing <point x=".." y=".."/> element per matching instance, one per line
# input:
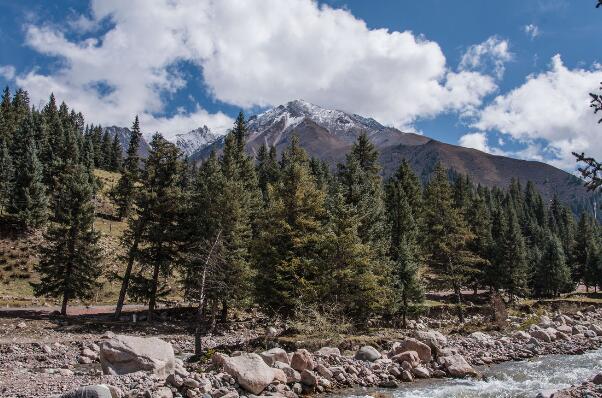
<point x="521" y="379"/>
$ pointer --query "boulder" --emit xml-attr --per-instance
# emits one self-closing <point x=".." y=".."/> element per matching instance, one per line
<point x="309" y="378"/>
<point x="481" y="337"/>
<point x="521" y="335"/>
<point x="597" y="329"/>
<point x="597" y="379"/>
<point x="280" y="376"/>
<point x="541" y="335"/>
<point x="292" y="376"/>
<point x="434" y="339"/>
<point x="273" y="355"/>
<point x="566" y="329"/>
<point x="98" y="391"/>
<point x="127" y="354"/>
<point x="408" y="356"/>
<point x="302" y="360"/>
<point x="421" y="372"/>
<point x="327" y="351"/>
<point x="324" y="372"/>
<point x="162" y="392"/>
<point x="249" y="370"/>
<point x="367" y="353"/>
<point x="457" y="366"/>
<point x="423" y="350"/>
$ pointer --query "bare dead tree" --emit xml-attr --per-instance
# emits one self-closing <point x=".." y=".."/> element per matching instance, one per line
<point x="592" y="168"/>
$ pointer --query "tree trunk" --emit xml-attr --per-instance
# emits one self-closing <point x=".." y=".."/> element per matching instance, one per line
<point x="152" y="303"/>
<point x="213" y="315"/>
<point x="459" y="302"/>
<point x="198" y="333"/>
<point x="128" y="270"/>
<point x="64" y="306"/>
<point x="224" y="315"/>
<point x="404" y="310"/>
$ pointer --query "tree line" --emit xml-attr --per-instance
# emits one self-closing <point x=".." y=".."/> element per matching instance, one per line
<point x="282" y="231"/>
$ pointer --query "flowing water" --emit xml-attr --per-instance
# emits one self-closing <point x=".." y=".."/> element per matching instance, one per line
<point x="524" y="379"/>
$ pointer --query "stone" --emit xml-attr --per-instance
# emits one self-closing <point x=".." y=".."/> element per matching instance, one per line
<point x="249" y="370"/>
<point x="98" y="391"/>
<point x="88" y="353"/>
<point x="367" y="353"/>
<point x="423" y="350"/>
<point x="191" y="383"/>
<point x="388" y="384"/>
<point x="457" y="366"/>
<point x="434" y="339"/>
<point x="162" y="392"/>
<point x="292" y="376"/>
<point x="301" y="360"/>
<point x="541" y="336"/>
<point x="309" y="378"/>
<point x="421" y="372"/>
<point x="565" y="329"/>
<point x="407" y="376"/>
<point x="66" y="372"/>
<point x="297" y="389"/>
<point x="408" y="356"/>
<point x="280" y="376"/>
<point x="438" y="373"/>
<point x="597" y="379"/>
<point x="597" y="329"/>
<point x="327" y="351"/>
<point x="273" y="355"/>
<point x="589" y="334"/>
<point x="127" y="354"/>
<point x="21" y="325"/>
<point x="481" y="337"/>
<point x="324" y="372"/>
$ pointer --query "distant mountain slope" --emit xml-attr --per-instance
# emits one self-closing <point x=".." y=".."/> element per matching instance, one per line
<point x="195" y="140"/>
<point x="124" y="135"/>
<point x="329" y="134"/>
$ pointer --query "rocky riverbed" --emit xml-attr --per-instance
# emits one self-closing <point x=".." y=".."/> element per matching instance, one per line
<point x="158" y="368"/>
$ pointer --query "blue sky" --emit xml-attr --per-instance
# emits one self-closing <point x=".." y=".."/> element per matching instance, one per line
<point x="507" y="77"/>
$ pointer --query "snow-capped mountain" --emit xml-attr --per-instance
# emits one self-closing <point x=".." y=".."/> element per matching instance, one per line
<point x="195" y="140"/>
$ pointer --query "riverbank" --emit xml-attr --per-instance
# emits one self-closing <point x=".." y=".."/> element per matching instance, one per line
<point x="55" y="363"/>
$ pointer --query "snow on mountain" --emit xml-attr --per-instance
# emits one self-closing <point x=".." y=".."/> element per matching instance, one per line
<point x="195" y="140"/>
<point x="287" y="117"/>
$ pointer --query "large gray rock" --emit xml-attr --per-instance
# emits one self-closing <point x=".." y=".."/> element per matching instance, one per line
<point x="541" y="335"/>
<point x="274" y="355"/>
<point x="432" y="338"/>
<point x="410" y="357"/>
<point x="127" y="354"/>
<point x="423" y="350"/>
<point x="367" y="353"/>
<point x="327" y="351"/>
<point x="98" y="391"/>
<point x="457" y="366"/>
<point x="292" y="376"/>
<point x="249" y="370"/>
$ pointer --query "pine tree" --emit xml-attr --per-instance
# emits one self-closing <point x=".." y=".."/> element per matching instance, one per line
<point x="552" y="275"/>
<point x="106" y="149"/>
<point x="123" y="194"/>
<point x="352" y="276"/>
<point x="267" y="169"/>
<point x="6" y="127"/>
<point x="29" y="202"/>
<point x="478" y="216"/>
<point x="586" y="248"/>
<point x="7" y="175"/>
<point x="159" y="199"/>
<point x="512" y="258"/>
<point x="116" y="155"/>
<point x="291" y="237"/>
<point x="70" y="259"/>
<point x="446" y="237"/>
<point x="402" y="189"/>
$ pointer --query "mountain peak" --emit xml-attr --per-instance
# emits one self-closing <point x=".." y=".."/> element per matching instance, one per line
<point x="195" y="140"/>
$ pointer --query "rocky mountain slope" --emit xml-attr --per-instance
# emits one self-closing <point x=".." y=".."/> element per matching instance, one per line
<point x="195" y="140"/>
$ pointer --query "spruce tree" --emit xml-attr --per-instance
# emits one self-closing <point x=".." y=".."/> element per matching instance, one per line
<point x="267" y="169"/>
<point x="7" y="175"/>
<point x="106" y="149"/>
<point x="70" y="264"/>
<point x="116" y="155"/>
<point x="352" y="275"/>
<point x="123" y="193"/>
<point x="512" y="258"/>
<point x="446" y="236"/>
<point x="291" y="238"/>
<point x="586" y="248"/>
<point x="552" y="275"/>
<point x="29" y="202"/>
<point x="159" y="199"/>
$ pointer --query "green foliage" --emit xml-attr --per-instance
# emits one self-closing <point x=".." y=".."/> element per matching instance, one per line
<point x="123" y="194"/>
<point x="70" y="259"/>
<point x="552" y="275"/>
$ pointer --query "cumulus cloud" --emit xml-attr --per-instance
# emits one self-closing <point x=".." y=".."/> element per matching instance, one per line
<point x="531" y="30"/>
<point x="479" y="140"/>
<point x="250" y="53"/>
<point x="492" y="54"/>
<point x="551" y="106"/>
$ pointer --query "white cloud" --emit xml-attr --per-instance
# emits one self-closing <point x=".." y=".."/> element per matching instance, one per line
<point x="491" y="54"/>
<point x="551" y="106"/>
<point x="531" y="30"/>
<point x="476" y="140"/>
<point x="250" y="53"/>
<point x="7" y="72"/>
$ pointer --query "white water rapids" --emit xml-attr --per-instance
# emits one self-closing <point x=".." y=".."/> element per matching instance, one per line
<point x="523" y="379"/>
